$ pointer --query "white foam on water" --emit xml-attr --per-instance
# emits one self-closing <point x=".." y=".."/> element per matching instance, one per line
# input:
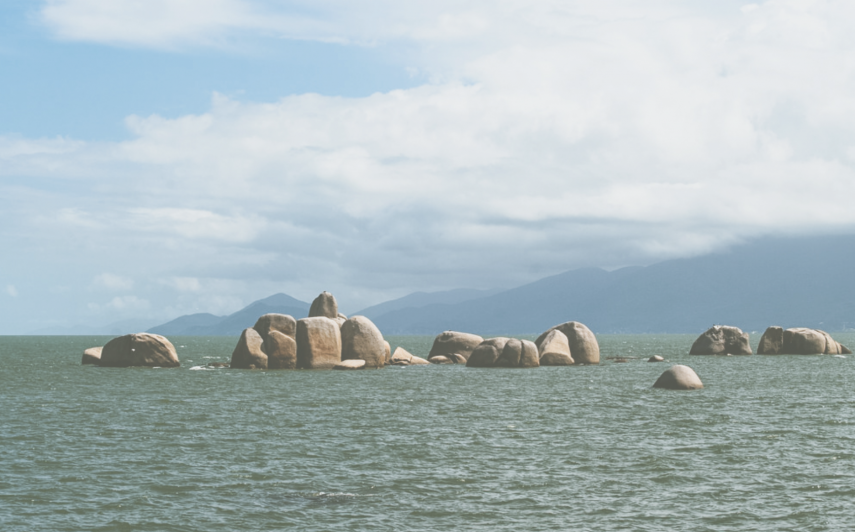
<point x="838" y="356"/>
<point x="200" y="368"/>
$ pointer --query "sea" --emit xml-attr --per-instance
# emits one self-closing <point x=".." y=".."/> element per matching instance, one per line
<point x="767" y="445"/>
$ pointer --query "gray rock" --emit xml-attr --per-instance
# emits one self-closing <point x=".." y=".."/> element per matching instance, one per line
<point x="452" y="342"/>
<point x="584" y="348"/>
<point x="140" y="349"/>
<point x="351" y="363"/>
<point x="318" y="343"/>
<point x="281" y="350"/>
<point x="679" y="378"/>
<point x="361" y="339"/>
<point x="555" y="349"/>
<point x="487" y="353"/>
<point x="92" y="356"/>
<point x="772" y="342"/>
<point x="656" y="358"/>
<point x="722" y="340"/>
<point x="803" y="341"/>
<point x="324" y="306"/>
<point x="248" y="353"/>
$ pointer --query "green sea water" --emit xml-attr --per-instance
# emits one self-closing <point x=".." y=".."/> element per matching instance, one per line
<point x="769" y="444"/>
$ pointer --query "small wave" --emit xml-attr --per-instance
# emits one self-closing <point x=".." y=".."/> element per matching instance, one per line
<point x="838" y="356"/>
<point x="200" y="368"/>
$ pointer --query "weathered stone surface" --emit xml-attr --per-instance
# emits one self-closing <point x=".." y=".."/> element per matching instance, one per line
<point x="555" y="349"/>
<point x="325" y="306"/>
<point x="318" y="343"/>
<point x="360" y="338"/>
<point x="803" y="341"/>
<point x="529" y="357"/>
<point x="487" y="353"/>
<point x="845" y="350"/>
<point x="388" y="359"/>
<point x="281" y="350"/>
<point x="440" y="360"/>
<point x="339" y="321"/>
<point x="400" y="355"/>
<point x="92" y="356"/>
<point x="584" y="348"/>
<point x="140" y="349"/>
<point x="456" y="358"/>
<point x="722" y="340"/>
<point x="248" y="353"/>
<point x="510" y="355"/>
<point x="679" y="378"/>
<point x="283" y="323"/>
<point x="418" y="361"/>
<point x="656" y="358"/>
<point x="351" y="363"/>
<point x="772" y="342"/>
<point x="452" y="342"/>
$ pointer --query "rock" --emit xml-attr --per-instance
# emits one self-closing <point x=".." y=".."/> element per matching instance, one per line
<point x="341" y="316"/>
<point x="388" y="353"/>
<point x="324" y="306"/>
<point x="140" y="349"/>
<point x="283" y="323"/>
<point x="418" y="361"/>
<point x="360" y="338"/>
<point x="772" y="342"/>
<point x="845" y="350"/>
<point x="339" y="321"/>
<point x="248" y="353"/>
<point x="281" y="350"/>
<point x="620" y="360"/>
<point x="351" y="363"/>
<point x="679" y="378"/>
<point x="440" y="360"/>
<point x="803" y="341"/>
<point x="510" y="355"/>
<point x="452" y="342"/>
<point x="487" y="353"/>
<point x="529" y="357"/>
<point x="318" y="343"/>
<point x="656" y="358"/>
<point x="555" y="349"/>
<point x="217" y="364"/>
<point x="722" y="340"/>
<point x="92" y="356"/>
<point x="400" y="355"/>
<point x="456" y="358"/>
<point x="584" y="348"/>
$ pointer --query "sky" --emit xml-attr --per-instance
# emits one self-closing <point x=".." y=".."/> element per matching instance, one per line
<point x="168" y="157"/>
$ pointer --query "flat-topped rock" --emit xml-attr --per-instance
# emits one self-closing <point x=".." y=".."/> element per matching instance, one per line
<point x="361" y="339"/>
<point x="325" y="306"/>
<point x="140" y="349"/>
<point x="351" y="363"/>
<point x="584" y="348"/>
<point x="92" y="356"/>
<point x="679" y="378"/>
<point x="318" y="343"/>
<point x="453" y="342"/>
<point x="722" y="340"/>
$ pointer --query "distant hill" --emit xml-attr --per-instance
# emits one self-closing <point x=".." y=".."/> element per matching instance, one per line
<point x="423" y="299"/>
<point x="233" y="324"/>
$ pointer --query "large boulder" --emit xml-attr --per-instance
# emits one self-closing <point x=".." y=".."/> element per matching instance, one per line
<point x="140" y="349"/>
<point x="518" y="354"/>
<point x="281" y="350"/>
<point x="352" y="363"/>
<point x="324" y="306"/>
<point x="487" y="353"/>
<point x="772" y="342"/>
<point x="92" y="356"/>
<point x="361" y="339"/>
<point x="453" y="342"/>
<point x="248" y="353"/>
<point x="555" y="350"/>
<point x="803" y="341"/>
<point x="722" y="340"/>
<point x="584" y="348"/>
<point x="283" y="323"/>
<point x="318" y="343"/>
<point x="679" y="378"/>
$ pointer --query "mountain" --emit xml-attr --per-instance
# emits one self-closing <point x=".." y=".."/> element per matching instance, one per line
<point x="790" y="282"/>
<point x="233" y="324"/>
<point x="423" y="299"/>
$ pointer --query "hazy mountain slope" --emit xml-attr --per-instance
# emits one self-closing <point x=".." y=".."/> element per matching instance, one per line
<point x="423" y="299"/>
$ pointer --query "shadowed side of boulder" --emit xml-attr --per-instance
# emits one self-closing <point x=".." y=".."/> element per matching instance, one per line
<point x="140" y="349"/>
<point x="92" y="356"/>
<point x="281" y="350"/>
<point x="679" y="378"/>
<point x="248" y="353"/>
<point x="487" y="353"/>
<point x="555" y="350"/>
<point x="722" y="340"/>
<point x="772" y="342"/>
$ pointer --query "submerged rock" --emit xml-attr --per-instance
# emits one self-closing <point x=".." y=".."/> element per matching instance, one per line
<point x="584" y="348"/>
<point x="440" y="360"/>
<point x="92" y="356"/>
<point x="722" y="340"/>
<point x="402" y="357"/>
<point x="656" y="358"/>
<point x="140" y="349"/>
<point x="453" y="342"/>
<point x="679" y="378"/>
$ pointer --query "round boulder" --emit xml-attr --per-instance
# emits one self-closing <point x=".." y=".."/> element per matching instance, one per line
<point x="656" y="358"/>
<point x="679" y="378"/>
<point x="487" y="353"/>
<point x="772" y="342"/>
<point x="361" y="339"/>
<point x="281" y="350"/>
<point x="140" y="349"/>
<point x="722" y="340"/>
<point x="555" y="350"/>
<point x="584" y="348"/>
<point x="453" y="342"/>
<point x="283" y="323"/>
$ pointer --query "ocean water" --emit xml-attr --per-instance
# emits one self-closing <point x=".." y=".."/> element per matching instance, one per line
<point x="769" y="444"/>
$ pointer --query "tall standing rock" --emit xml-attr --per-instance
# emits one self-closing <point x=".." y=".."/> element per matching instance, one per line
<point x="248" y="353"/>
<point x="324" y="305"/>
<point x="141" y="349"/>
<point x="722" y="340"/>
<point x="361" y="339"/>
<point x="318" y="343"/>
<point x="452" y="342"/>
<point x="281" y="350"/>
<point x="583" y="344"/>
<point x="772" y="342"/>
<point x="679" y="378"/>
<point x="555" y="350"/>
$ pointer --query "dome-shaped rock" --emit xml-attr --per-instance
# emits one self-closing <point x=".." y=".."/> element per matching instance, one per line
<point x="248" y="353"/>
<point x="722" y="340"/>
<point x="140" y="349"/>
<point x="281" y="350"/>
<point x="803" y="341"/>
<point x="452" y="342"/>
<point x="318" y="343"/>
<point x="518" y="354"/>
<point x="283" y="323"/>
<point x="324" y="306"/>
<point x="555" y="349"/>
<point x="584" y="348"/>
<point x="487" y="353"/>
<point x="656" y="358"/>
<point x="92" y="356"/>
<point x="361" y="339"/>
<point x="679" y="378"/>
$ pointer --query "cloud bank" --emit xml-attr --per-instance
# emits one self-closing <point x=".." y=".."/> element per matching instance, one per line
<point x="552" y="136"/>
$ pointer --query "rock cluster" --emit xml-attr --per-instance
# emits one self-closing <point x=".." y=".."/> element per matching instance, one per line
<point x="581" y="342"/>
<point x="722" y="340"/>
<point x="504" y="353"/>
<point x="799" y="341"/>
